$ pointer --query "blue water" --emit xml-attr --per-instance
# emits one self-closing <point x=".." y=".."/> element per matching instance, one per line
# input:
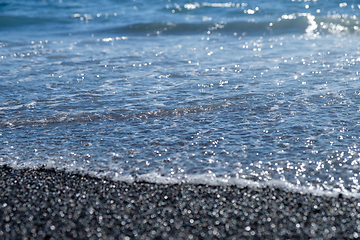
<point x="251" y="93"/>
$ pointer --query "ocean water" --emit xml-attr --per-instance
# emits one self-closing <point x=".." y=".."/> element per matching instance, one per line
<point x="253" y="93"/>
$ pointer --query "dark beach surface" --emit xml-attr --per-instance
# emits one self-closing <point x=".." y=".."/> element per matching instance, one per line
<point x="38" y="204"/>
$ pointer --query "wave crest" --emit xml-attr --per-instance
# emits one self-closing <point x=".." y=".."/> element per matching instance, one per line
<point x="115" y="115"/>
<point x="287" y="24"/>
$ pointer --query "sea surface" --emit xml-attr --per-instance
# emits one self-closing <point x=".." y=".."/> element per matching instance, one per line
<point x="253" y="93"/>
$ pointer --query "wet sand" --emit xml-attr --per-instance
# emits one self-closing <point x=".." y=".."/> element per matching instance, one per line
<point x="38" y="204"/>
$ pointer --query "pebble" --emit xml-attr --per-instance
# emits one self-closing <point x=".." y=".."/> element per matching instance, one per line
<point x="38" y="204"/>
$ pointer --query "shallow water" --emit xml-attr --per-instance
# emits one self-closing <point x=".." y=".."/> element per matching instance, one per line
<point x="203" y="92"/>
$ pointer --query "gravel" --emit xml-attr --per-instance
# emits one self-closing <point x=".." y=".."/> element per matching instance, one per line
<point x="48" y="204"/>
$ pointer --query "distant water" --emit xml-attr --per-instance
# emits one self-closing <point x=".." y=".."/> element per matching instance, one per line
<point x="249" y="93"/>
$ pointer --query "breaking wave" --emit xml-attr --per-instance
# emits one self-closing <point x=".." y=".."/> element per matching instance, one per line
<point x="287" y="24"/>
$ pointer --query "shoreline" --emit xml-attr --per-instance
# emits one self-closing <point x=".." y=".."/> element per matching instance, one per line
<point x="50" y="204"/>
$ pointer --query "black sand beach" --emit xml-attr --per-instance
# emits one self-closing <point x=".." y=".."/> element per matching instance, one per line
<point x="46" y="204"/>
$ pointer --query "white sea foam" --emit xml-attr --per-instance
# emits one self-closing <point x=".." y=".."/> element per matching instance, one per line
<point x="196" y="179"/>
<point x="206" y="179"/>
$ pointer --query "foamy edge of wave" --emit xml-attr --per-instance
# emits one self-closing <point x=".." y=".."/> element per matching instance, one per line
<point x="205" y="179"/>
<point x="198" y="179"/>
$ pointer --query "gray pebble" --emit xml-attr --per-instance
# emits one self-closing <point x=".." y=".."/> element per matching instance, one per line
<point x="46" y="204"/>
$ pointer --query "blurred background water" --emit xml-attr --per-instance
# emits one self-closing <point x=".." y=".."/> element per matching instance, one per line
<point x="254" y="92"/>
